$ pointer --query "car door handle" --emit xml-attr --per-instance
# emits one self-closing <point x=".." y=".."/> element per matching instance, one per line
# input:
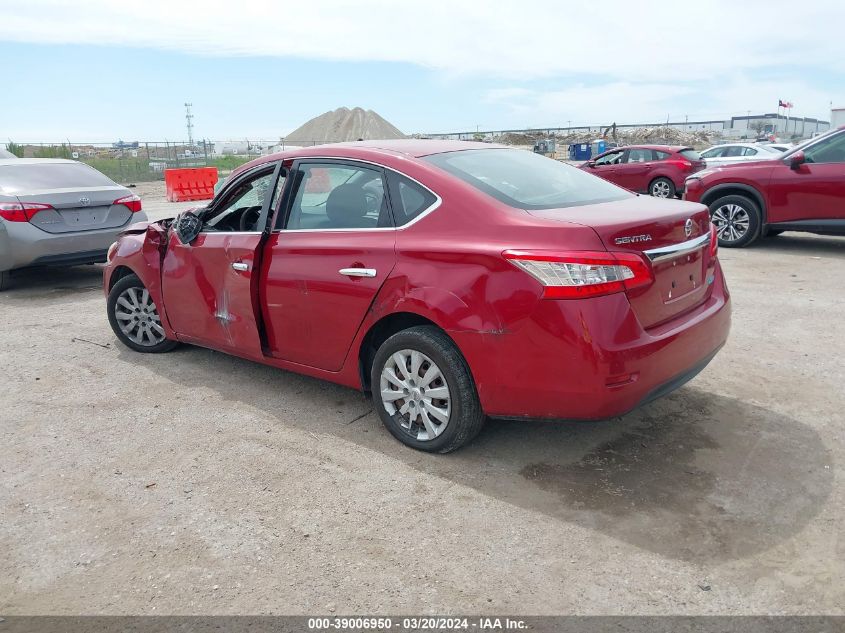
<point x="240" y="266"/>
<point x="358" y="272"/>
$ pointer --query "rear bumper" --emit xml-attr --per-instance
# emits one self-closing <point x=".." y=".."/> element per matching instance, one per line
<point x="591" y="359"/>
<point x="23" y="245"/>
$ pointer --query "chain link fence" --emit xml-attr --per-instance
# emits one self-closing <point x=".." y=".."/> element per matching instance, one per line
<point x="145" y="161"/>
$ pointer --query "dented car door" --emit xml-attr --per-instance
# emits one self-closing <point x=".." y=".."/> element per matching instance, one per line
<point x="210" y="284"/>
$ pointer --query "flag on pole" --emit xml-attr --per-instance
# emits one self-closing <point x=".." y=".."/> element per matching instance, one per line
<point x="784" y="104"/>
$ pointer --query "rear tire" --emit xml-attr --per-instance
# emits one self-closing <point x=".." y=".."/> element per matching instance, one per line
<point x="134" y="318"/>
<point x="5" y="280"/>
<point x="661" y="188"/>
<point x="407" y="370"/>
<point x="737" y="221"/>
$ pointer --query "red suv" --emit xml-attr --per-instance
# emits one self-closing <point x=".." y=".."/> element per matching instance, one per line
<point x="801" y="190"/>
<point x="658" y="170"/>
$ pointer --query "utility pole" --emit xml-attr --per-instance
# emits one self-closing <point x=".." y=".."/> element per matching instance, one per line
<point x="189" y="120"/>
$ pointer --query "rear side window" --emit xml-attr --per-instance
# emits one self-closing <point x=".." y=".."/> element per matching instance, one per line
<point x="658" y="155"/>
<point x="690" y="154"/>
<point x="408" y="198"/>
<point x="338" y="196"/>
<point x="33" y="177"/>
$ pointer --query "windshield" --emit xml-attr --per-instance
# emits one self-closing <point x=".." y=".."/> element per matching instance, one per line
<point x="525" y="180"/>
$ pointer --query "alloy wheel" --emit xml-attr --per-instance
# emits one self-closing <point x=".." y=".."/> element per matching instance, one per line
<point x="138" y="317"/>
<point x="413" y="386"/>
<point x="731" y="222"/>
<point x="661" y="189"/>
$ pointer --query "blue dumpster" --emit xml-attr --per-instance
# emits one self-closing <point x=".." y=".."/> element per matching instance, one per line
<point x="579" y="151"/>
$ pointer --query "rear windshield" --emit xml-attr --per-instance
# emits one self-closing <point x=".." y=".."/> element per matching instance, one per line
<point x="525" y="180"/>
<point x="690" y="154"/>
<point x="37" y="177"/>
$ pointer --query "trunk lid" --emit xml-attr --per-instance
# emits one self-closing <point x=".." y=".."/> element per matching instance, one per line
<point x="75" y="210"/>
<point x="671" y="234"/>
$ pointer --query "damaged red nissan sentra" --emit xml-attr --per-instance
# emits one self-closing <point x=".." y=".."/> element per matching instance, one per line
<point x="451" y="280"/>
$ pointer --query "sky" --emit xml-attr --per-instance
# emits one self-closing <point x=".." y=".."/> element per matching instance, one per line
<point x="102" y="70"/>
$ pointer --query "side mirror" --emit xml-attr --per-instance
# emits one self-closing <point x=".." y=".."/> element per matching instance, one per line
<point x="187" y="226"/>
<point x="591" y="164"/>
<point x="797" y="159"/>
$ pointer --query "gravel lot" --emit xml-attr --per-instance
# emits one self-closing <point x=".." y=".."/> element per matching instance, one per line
<point x="194" y="482"/>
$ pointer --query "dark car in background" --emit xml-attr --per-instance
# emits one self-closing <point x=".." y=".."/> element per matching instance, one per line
<point x="59" y="212"/>
<point x="800" y="190"/>
<point x="658" y="170"/>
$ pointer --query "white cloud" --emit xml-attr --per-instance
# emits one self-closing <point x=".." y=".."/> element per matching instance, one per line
<point x="623" y="102"/>
<point x="652" y="102"/>
<point x="658" y="40"/>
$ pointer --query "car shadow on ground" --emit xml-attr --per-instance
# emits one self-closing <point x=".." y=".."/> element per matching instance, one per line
<point x="802" y="244"/>
<point x="52" y="282"/>
<point x="696" y="476"/>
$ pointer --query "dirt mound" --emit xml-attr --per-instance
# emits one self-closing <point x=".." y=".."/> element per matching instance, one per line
<point x="344" y="124"/>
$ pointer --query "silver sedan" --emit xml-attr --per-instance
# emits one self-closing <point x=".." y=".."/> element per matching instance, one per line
<point x="59" y="212"/>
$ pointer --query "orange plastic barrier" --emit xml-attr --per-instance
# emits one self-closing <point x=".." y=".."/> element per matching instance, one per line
<point x="196" y="183"/>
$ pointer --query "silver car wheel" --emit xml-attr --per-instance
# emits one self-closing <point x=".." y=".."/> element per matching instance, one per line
<point x="138" y="318"/>
<point x="661" y="189"/>
<point x="413" y="386"/>
<point x="731" y="222"/>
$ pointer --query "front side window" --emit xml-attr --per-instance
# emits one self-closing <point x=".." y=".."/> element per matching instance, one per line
<point x="830" y="150"/>
<point x="610" y="159"/>
<point x="338" y="196"/>
<point x="240" y="207"/>
<point x="525" y="180"/>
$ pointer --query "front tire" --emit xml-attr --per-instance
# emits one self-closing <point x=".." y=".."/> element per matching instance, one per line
<point x="661" y="188"/>
<point x="134" y="318"/>
<point x="424" y="392"/>
<point x="737" y="221"/>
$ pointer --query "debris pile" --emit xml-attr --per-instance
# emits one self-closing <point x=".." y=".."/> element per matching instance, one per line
<point x="626" y="136"/>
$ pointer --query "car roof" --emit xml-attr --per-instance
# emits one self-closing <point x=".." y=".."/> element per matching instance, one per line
<point x="416" y="147"/>
<point x="665" y="148"/>
<point x="375" y="150"/>
<point x="35" y="161"/>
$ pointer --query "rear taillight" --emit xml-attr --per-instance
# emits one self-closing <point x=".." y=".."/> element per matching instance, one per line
<point x="714" y="242"/>
<point x="21" y="212"/>
<point x="683" y="165"/>
<point x="579" y="274"/>
<point x="133" y="202"/>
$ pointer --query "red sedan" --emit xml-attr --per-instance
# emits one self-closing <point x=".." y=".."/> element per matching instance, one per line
<point x="658" y="170"/>
<point x="450" y="280"/>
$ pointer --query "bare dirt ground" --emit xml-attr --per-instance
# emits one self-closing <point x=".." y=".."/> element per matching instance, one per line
<point x="197" y="483"/>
